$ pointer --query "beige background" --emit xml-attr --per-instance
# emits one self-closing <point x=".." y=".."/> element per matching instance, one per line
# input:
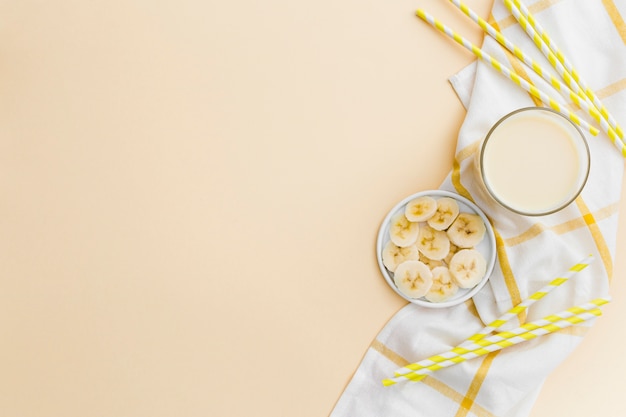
<point x="191" y="192"/>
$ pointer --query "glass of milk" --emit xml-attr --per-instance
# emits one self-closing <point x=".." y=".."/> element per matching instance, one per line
<point x="534" y="161"/>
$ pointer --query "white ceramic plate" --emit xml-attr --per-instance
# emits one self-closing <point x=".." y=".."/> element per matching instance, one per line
<point x="487" y="247"/>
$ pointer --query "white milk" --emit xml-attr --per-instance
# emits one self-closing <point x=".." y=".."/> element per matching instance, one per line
<point x="534" y="161"/>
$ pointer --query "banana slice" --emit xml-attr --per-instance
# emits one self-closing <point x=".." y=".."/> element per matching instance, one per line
<point x="430" y="263"/>
<point x="413" y="279"/>
<point x="443" y="286"/>
<point x="420" y="209"/>
<point x="453" y="250"/>
<point x="467" y="231"/>
<point x="434" y="244"/>
<point x="446" y="213"/>
<point x="468" y="267"/>
<point x="403" y="232"/>
<point x="394" y="255"/>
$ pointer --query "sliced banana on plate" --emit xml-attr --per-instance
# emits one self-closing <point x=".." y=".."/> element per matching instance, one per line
<point x="420" y="209"/>
<point x="434" y="244"/>
<point x="394" y="255"/>
<point x="443" y="287"/>
<point x="468" y="267"/>
<point x="467" y="231"/>
<point x="403" y="232"/>
<point x="413" y="278"/>
<point x="429" y="248"/>
<point x="446" y="213"/>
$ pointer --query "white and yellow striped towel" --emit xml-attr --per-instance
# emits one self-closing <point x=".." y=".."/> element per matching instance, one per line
<point x="531" y="251"/>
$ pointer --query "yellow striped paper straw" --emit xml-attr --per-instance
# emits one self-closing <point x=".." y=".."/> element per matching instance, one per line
<point x="506" y="341"/>
<point x="536" y="296"/>
<point x="556" y="63"/>
<point x="531" y="89"/>
<point x="564" y="61"/>
<point x="607" y="122"/>
<point x="572" y="89"/>
<point x="431" y="362"/>
<point x="418" y="375"/>
<point x="515" y="50"/>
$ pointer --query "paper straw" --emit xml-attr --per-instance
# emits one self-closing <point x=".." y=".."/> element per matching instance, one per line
<point x="563" y="60"/>
<point x="469" y="346"/>
<point x="572" y="89"/>
<point x="531" y="89"/>
<point x="506" y="342"/>
<point x="515" y="50"/>
<point x="536" y="296"/>
<point x="606" y="122"/>
<point x="418" y="375"/>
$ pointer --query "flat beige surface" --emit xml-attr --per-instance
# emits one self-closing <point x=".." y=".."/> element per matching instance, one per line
<point x="191" y="192"/>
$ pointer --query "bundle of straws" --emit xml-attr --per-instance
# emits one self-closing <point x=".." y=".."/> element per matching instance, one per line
<point x="572" y="86"/>
<point x="482" y="343"/>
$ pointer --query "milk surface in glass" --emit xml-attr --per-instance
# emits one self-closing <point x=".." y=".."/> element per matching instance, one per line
<point x="534" y="161"/>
